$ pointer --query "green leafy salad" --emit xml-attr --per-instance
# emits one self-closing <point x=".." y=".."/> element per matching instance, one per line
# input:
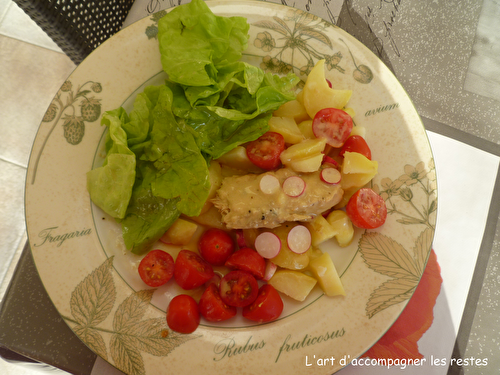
<point x="157" y="156"/>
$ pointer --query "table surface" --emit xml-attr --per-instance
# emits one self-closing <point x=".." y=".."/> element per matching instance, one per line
<point x="446" y="54"/>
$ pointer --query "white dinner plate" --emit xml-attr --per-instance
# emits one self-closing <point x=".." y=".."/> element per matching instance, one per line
<point x="92" y="279"/>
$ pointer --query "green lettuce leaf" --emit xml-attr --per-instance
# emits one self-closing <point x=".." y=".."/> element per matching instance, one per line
<point x="157" y="160"/>
<point x="194" y="42"/>
<point x="110" y="186"/>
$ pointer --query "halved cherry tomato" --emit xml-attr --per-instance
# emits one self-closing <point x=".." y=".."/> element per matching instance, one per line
<point x="366" y="209"/>
<point x="267" y="307"/>
<point x="183" y="315"/>
<point x="213" y="308"/>
<point x="333" y="124"/>
<point x="215" y="246"/>
<point x="265" y="151"/>
<point x="249" y="260"/>
<point x="356" y="143"/>
<point x="238" y="288"/>
<point x="156" y="268"/>
<point x="191" y="270"/>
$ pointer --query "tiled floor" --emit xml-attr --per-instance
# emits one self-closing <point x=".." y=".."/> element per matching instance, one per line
<point x="32" y="68"/>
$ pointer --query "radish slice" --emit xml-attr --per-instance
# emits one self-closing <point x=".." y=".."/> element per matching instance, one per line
<point x="269" y="184"/>
<point x="294" y="186"/>
<point x="329" y="160"/>
<point x="330" y="175"/>
<point x="270" y="270"/>
<point x="268" y="245"/>
<point x="299" y="239"/>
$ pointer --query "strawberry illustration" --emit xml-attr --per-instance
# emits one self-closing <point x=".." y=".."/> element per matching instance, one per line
<point x="51" y="113"/>
<point x="67" y="86"/>
<point x="74" y="129"/>
<point x="96" y="87"/>
<point x="91" y="109"/>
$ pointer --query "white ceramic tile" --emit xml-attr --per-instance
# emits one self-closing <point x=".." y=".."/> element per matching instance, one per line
<point x="17" y="24"/>
<point x="30" y="77"/>
<point x="12" y="212"/>
<point x="4" y="5"/>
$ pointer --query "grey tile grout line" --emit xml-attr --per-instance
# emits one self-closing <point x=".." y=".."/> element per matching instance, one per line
<point x="476" y="285"/>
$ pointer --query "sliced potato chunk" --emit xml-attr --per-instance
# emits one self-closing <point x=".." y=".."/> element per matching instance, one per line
<point x="294" y="284"/>
<point x="304" y="149"/>
<point x="237" y="158"/>
<point x="318" y="95"/>
<point x="342" y="225"/>
<point x="180" y="233"/>
<point x="320" y="229"/>
<point x="354" y="162"/>
<point x="307" y="165"/>
<point x="286" y="258"/>
<point x="325" y="272"/>
<point x="293" y="108"/>
<point x="287" y="127"/>
<point x="305" y="128"/>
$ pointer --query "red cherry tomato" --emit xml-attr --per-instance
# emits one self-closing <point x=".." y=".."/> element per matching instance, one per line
<point x="183" y="315"/>
<point x="366" y="209"/>
<point x="156" y="268"/>
<point x="356" y="143"/>
<point x="191" y="270"/>
<point x="249" y="260"/>
<point x="213" y="308"/>
<point x="215" y="246"/>
<point x="265" y="151"/>
<point x="267" y="307"/>
<point x="238" y="288"/>
<point x="333" y="124"/>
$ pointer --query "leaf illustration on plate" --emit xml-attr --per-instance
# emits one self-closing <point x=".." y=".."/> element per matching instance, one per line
<point x="421" y="250"/>
<point x="272" y="26"/>
<point x="318" y="35"/>
<point x="390" y="293"/>
<point x="91" y="302"/>
<point x="386" y="256"/>
<point x="132" y="334"/>
<point x="93" y="339"/>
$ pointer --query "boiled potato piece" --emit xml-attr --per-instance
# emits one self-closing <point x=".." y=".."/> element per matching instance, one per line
<point x="318" y="95"/>
<point x="358" y="130"/>
<point x="304" y="149"/>
<point x="180" y="233"/>
<point x="287" y="127"/>
<point x="320" y="229"/>
<point x="237" y="158"/>
<point x="294" y="109"/>
<point x="294" y="284"/>
<point x="307" y="165"/>
<point x="350" y="111"/>
<point x="355" y="162"/>
<point x="354" y="181"/>
<point x="342" y="226"/>
<point x="357" y="170"/>
<point x="286" y="258"/>
<point x="211" y="218"/>
<point x="325" y="272"/>
<point x="305" y="128"/>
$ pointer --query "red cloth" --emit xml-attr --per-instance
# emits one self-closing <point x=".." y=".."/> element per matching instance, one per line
<point x="400" y="341"/>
